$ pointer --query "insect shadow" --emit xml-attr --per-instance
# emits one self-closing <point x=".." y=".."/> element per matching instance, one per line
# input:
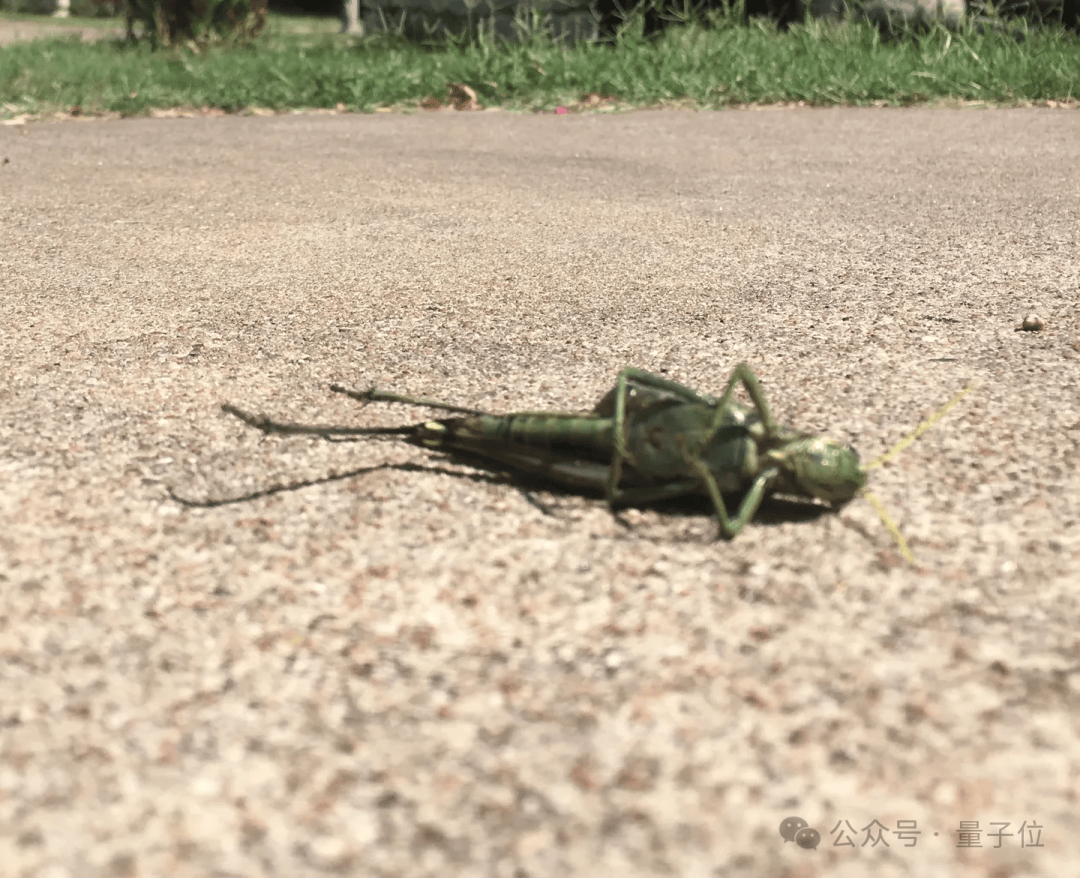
<point x="327" y="479"/>
<point x="774" y="510"/>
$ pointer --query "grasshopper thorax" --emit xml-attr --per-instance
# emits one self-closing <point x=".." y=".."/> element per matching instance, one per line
<point x="819" y="467"/>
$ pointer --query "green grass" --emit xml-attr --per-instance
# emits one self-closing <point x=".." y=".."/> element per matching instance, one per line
<point x="293" y="67"/>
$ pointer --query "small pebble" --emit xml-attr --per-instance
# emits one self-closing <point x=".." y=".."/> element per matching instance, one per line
<point x="330" y="853"/>
<point x="1032" y="323"/>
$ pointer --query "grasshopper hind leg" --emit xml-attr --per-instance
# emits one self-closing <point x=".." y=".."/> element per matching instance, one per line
<point x="636" y="379"/>
<point x="267" y="425"/>
<point x="373" y="395"/>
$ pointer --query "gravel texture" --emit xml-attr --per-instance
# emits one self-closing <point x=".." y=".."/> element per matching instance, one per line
<point x="404" y="671"/>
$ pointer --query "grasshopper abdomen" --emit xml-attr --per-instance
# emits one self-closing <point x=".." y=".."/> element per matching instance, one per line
<point x="580" y="435"/>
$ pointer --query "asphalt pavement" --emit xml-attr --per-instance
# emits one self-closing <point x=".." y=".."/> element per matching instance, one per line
<point x="229" y="654"/>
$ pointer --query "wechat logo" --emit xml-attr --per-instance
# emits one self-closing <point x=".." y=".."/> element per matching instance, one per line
<point x="799" y="831"/>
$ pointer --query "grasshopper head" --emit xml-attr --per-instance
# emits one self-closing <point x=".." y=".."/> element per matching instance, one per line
<point x="825" y="469"/>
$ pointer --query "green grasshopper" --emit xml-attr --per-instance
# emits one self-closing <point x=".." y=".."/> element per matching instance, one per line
<point x="648" y="439"/>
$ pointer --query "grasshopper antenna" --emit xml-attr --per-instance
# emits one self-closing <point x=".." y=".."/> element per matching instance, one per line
<point x="922" y="428"/>
<point x="893" y="452"/>
<point x="890" y="525"/>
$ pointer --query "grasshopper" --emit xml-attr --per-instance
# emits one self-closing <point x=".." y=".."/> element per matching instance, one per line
<point x="648" y="439"/>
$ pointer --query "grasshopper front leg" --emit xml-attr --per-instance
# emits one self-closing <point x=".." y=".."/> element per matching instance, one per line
<point x="742" y="374"/>
<point x="731" y="527"/>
